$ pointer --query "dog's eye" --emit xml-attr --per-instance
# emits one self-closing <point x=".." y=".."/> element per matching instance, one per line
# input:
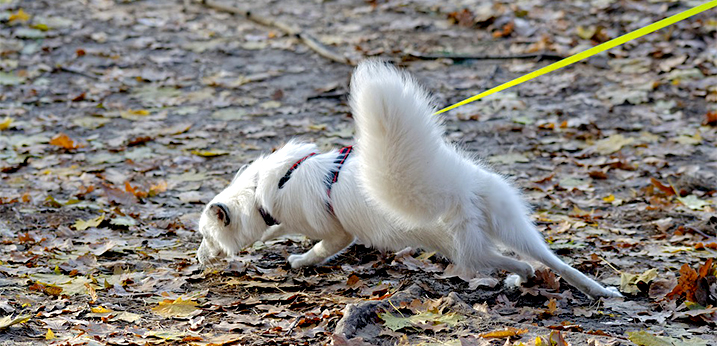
<point x="221" y="212"/>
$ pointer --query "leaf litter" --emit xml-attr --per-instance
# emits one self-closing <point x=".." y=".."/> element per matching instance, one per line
<point x="118" y="121"/>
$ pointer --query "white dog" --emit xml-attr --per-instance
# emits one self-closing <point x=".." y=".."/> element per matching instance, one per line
<point x="403" y="185"/>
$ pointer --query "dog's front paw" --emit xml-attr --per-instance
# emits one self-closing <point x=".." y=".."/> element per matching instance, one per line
<point x="297" y="261"/>
<point x="612" y="292"/>
<point x="513" y="281"/>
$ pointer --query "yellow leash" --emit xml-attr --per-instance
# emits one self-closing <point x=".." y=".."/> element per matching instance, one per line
<point x="590" y="52"/>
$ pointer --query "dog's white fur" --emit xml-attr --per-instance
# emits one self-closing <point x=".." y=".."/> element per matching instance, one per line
<point x="404" y="185"/>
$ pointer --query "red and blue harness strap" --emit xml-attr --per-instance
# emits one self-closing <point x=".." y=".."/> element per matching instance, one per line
<point x="333" y="175"/>
<point x="286" y="176"/>
<point x="331" y="178"/>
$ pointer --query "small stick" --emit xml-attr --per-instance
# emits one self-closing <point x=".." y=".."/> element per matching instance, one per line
<point x="310" y="41"/>
<point x="610" y="265"/>
<point x="538" y="56"/>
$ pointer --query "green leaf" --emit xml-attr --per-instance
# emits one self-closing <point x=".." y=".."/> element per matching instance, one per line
<point x="29" y="33"/>
<point x="10" y="79"/>
<point x="394" y="322"/>
<point x="692" y="202"/>
<point x="643" y="338"/>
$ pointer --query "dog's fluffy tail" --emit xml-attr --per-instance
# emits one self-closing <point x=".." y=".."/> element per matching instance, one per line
<point x="406" y="166"/>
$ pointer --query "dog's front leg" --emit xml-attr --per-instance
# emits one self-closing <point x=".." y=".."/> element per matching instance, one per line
<point x="323" y="250"/>
<point x="274" y="232"/>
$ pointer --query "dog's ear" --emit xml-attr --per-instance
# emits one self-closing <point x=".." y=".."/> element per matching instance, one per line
<point x="221" y="212"/>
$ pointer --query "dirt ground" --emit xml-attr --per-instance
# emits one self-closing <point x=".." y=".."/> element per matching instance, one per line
<point x="120" y="119"/>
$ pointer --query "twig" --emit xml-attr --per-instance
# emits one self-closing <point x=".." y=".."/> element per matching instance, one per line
<point x="537" y="56"/>
<point x="69" y="70"/>
<point x="292" y="326"/>
<point x="610" y="265"/>
<point x="307" y="39"/>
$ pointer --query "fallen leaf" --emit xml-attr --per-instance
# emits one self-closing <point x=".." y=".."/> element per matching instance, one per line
<point x="692" y="202"/>
<point x="421" y="320"/>
<point x="49" y="335"/>
<point x="209" y="153"/>
<point x="62" y="140"/>
<point x="689" y="140"/>
<point x="158" y="188"/>
<point x="630" y="283"/>
<point x="134" y="114"/>
<point x="710" y="118"/>
<point x="92" y="292"/>
<point x="508" y="159"/>
<point x="100" y="310"/>
<point x="504" y="333"/>
<point x="612" y="144"/>
<point x="644" y="338"/>
<point x="5" y="124"/>
<point x="668" y="190"/>
<point x="8" y="321"/>
<point x="82" y="225"/>
<point x="19" y="16"/>
<point x="178" y="308"/>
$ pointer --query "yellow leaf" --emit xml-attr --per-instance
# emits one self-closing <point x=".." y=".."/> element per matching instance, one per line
<point x="689" y="140"/>
<point x="609" y="198"/>
<point x="134" y="114"/>
<point x="91" y="291"/>
<point x="506" y="333"/>
<point x="209" y="153"/>
<point x="612" y="144"/>
<point x="552" y="306"/>
<point x="175" y="308"/>
<point x="82" y="225"/>
<point x="157" y="188"/>
<point x="20" y="16"/>
<point x="40" y="26"/>
<point x="5" y="124"/>
<point x="585" y="33"/>
<point x="100" y="310"/>
<point x="50" y="335"/>
<point x="7" y="321"/>
<point x="138" y="112"/>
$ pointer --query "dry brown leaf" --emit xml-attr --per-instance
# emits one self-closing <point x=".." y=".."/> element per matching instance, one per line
<point x="668" y="190"/>
<point x="686" y="284"/>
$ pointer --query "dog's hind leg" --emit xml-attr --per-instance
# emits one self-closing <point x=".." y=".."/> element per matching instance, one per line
<point x="528" y="241"/>
<point x="539" y="250"/>
<point x="511" y="226"/>
<point x="475" y="251"/>
<point x="323" y="250"/>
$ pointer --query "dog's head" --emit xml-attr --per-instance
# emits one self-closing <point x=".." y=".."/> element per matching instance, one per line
<point x="231" y="221"/>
